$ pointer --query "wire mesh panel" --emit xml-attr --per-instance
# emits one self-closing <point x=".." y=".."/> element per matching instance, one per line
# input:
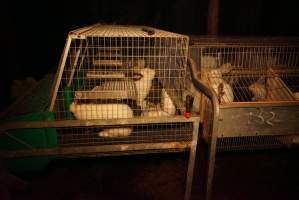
<point x="130" y="134"/>
<point x="256" y="142"/>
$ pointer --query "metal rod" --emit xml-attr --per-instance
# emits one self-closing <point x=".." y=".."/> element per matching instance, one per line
<point x="191" y="163"/>
<point x="59" y="73"/>
<point x="214" y="131"/>
<point x="75" y="65"/>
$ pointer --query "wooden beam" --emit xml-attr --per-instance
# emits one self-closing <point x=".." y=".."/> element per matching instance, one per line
<point x="94" y="122"/>
<point x="67" y="151"/>
<point x="213" y="17"/>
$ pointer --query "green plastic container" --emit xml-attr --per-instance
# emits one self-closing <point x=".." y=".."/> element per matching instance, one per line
<point x="78" y="80"/>
<point x="68" y="99"/>
<point x="17" y="139"/>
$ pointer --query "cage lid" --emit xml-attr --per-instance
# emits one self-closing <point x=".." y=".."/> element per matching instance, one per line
<point x="123" y="31"/>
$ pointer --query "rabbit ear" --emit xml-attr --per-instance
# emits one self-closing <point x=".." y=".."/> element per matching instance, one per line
<point x="226" y="68"/>
<point x="220" y="90"/>
<point x="72" y="107"/>
<point x="262" y="80"/>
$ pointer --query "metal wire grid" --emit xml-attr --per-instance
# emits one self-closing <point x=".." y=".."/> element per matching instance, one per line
<point x="147" y="133"/>
<point x="100" y="62"/>
<point x="253" y="71"/>
<point x="255" y="142"/>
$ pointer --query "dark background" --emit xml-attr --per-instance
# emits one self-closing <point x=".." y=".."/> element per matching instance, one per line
<point x="33" y="33"/>
<point x="32" y="37"/>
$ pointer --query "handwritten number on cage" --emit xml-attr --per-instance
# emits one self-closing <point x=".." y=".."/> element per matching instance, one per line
<point x="262" y="117"/>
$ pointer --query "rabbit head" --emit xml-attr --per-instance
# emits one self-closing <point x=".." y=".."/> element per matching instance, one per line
<point x="147" y="72"/>
<point x="226" y="68"/>
<point x="258" y="89"/>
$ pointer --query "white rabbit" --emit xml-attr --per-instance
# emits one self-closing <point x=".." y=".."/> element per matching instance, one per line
<point x="167" y="103"/>
<point x="165" y="108"/>
<point x="115" y="132"/>
<point x="223" y="90"/>
<point x="144" y="85"/>
<point x="226" y="68"/>
<point x="259" y="89"/>
<point x="104" y="111"/>
<point x="101" y="111"/>
<point x="154" y="113"/>
<point x="223" y="69"/>
<point x="296" y="95"/>
<point x="209" y="62"/>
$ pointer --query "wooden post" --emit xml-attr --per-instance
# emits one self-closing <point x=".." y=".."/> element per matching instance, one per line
<point x="213" y="17"/>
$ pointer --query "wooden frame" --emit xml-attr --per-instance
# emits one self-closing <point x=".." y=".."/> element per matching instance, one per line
<point x="119" y="149"/>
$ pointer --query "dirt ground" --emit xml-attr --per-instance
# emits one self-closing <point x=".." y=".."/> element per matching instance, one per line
<point x="252" y="175"/>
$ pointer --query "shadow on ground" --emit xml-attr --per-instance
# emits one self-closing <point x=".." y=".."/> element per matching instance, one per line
<point x="256" y="175"/>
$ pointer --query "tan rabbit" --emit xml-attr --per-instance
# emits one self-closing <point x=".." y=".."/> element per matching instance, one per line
<point x="259" y="89"/>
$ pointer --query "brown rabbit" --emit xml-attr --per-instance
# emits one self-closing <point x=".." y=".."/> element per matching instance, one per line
<point x="259" y="89"/>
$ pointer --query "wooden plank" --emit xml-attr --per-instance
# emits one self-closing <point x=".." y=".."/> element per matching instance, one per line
<point x="113" y="63"/>
<point x="106" y="94"/>
<point x="256" y="121"/>
<point x="65" y="151"/>
<point x="100" y="75"/>
<point x="100" y="122"/>
<point x="213" y="17"/>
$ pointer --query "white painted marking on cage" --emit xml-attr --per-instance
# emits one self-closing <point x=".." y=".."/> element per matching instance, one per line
<point x="124" y="147"/>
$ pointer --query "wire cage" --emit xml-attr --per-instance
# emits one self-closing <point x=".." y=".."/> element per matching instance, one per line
<point x="120" y="90"/>
<point x="254" y="85"/>
<point x="121" y="73"/>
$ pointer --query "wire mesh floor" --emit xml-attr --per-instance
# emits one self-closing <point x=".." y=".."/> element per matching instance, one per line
<point x="149" y="133"/>
<point x="255" y="142"/>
